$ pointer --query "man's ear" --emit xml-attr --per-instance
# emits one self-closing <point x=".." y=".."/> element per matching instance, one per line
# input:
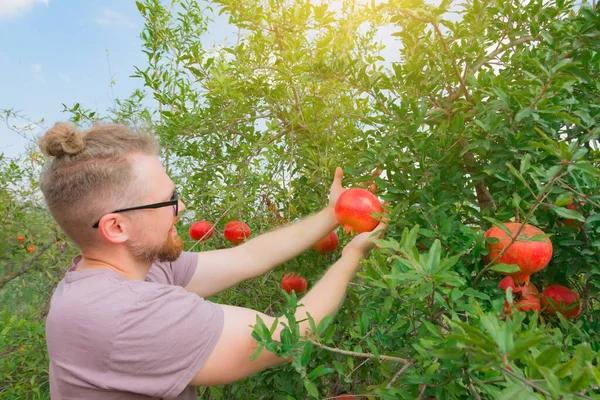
<point x="114" y="228"/>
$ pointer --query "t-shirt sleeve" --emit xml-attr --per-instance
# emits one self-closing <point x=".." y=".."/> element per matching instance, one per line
<point x="178" y="272"/>
<point x="164" y="340"/>
<point x="184" y="268"/>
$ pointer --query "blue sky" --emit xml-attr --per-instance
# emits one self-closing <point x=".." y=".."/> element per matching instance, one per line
<point x="55" y="52"/>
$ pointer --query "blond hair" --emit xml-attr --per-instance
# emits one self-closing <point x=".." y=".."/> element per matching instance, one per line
<point x="89" y="174"/>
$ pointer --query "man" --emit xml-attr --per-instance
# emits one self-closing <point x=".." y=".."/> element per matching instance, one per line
<point x="129" y="320"/>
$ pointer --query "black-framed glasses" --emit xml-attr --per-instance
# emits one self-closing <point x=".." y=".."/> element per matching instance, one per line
<point x="174" y="201"/>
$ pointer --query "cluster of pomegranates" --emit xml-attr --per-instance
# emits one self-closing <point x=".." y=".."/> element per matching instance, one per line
<point x="530" y="256"/>
<point x="235" y="231"/>
<point x="354" y="211"/>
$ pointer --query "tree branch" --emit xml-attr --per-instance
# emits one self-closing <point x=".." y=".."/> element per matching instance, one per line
<point x="28" y="265"/>
<point x="362" y="355"/>
<point x="395" y="378"/>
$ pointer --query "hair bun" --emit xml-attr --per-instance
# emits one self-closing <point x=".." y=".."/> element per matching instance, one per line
<point x="62" y="139"/>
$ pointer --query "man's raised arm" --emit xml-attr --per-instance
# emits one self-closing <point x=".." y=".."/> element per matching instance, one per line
<point x="230" y="359"/>
<point x="218" y="270"/>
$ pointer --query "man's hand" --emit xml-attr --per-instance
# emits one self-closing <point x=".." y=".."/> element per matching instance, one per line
<point x="362" y="243"/>
<point x="336" y="187"/>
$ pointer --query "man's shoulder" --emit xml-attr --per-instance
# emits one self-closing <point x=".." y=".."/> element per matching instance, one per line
<point x="178" y="272"/>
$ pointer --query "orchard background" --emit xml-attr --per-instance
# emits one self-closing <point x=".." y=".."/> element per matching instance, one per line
<point x="490" y="115"/>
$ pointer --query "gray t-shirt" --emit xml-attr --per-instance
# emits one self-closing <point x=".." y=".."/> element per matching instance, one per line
<point x="112" y="338"/>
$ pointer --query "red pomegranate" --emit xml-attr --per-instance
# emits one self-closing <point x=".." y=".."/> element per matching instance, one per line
<point x="525" y="297"/>
<point x="328" y="244"/>
<point x="528" y="303"/>
<point x="530" y="256"/>
<point x="201" y="230"/>
<point x="236" y="232"/>
<point x="293" y="282"/>
<point x="354" y="210"/>
<point x="563" y="297"/>
<point x="506" y="283"/>
<point x="21" y="238"/>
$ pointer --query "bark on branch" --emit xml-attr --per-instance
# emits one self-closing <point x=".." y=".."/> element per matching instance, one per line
<point x="362" y="355"/>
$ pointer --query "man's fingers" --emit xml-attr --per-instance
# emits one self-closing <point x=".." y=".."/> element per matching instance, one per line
<point x="377" y="172"/>
<point x="339" y="174"/>
<point x="386" y="217"/>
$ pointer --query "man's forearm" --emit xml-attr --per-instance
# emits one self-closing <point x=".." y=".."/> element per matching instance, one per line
<point x="276" y="247"/>
<point x="328" y="294"/>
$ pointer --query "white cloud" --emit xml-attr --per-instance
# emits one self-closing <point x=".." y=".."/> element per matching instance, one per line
<point x="15" y="8"/>
<point x="36" y="71"/>
<point x="111" y="17"/>
<point x="64" y="77"/>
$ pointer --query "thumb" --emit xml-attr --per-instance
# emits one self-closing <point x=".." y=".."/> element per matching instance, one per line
<point x="339" y="174"/>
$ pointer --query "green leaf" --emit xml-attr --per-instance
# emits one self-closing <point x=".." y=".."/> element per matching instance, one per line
<point x="513" y="170"/>
<point x="372" y="347"/>
<point x="525" y="163"/>
<point x="387" y="306"/>
<point x="499" y="224"/>
<point x="581" y="381"/>
<point x="257" y="352"/>
<point x="540" y="237"/>
<point x="566" y="213"/>
<point x="324" y="324"/>
<point x="432" y="259"/>
<point x="566" y="368"/>
<point x="320" y="370"/>
<point x="523" y="113"/>
<point x="522" y="345"/>
<point x="306" y="353"/>
<point x="552" y="150"/>
<point x="592" y="218"/>
<point x="550" y="357"/>
<point x="505" y="339"/>
<point x="585" y="167"/>
<point x="551" y="380"/>
<point x="595" y="373"/>
<point x="505" y="268"/>
<point x="475" y="293"/>
<point x="311" y="388"/>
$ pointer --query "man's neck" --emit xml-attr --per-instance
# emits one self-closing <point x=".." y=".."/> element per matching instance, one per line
<point x="126" y="266"/>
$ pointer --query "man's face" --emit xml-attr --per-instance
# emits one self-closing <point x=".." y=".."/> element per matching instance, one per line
<point x="169" y="250"/>
<point x="157" y="237"/>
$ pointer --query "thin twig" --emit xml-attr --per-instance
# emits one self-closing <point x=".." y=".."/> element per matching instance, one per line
<point x="473" y="391"/>
<point x="421" y="392"/>
<point x="362" y="355"/>
<point x="359" y="365"/>
<point x="28" y="265"/>
<point x="395" y="378"/>
<point x="534" y="386"/>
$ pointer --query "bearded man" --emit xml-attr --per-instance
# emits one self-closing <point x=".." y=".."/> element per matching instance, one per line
<point x="129" y="319"/>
